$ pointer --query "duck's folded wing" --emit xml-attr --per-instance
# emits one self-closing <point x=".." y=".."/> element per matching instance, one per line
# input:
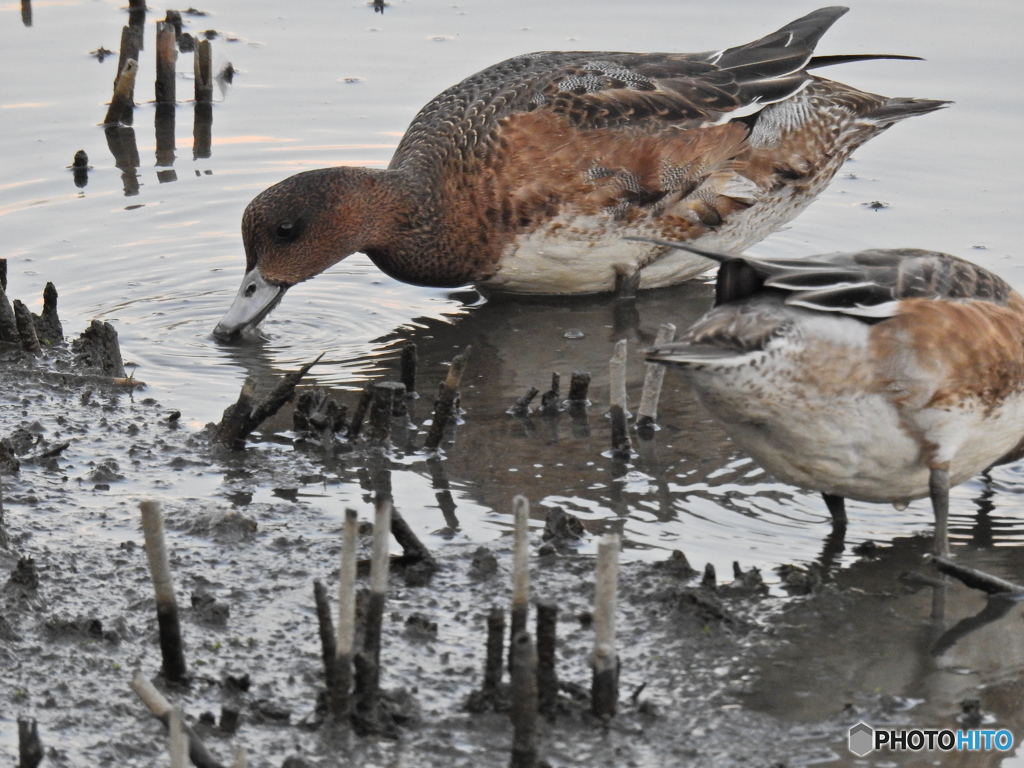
<point x="872" y="283"/>
<point x="608" y="89"/>
<point x="602" y="90"/>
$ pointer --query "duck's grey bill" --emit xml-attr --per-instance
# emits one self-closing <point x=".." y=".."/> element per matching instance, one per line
<point x="253" y="302"/>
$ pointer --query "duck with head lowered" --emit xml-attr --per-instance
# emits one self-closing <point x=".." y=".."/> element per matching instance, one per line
<point x="525" y="177"/>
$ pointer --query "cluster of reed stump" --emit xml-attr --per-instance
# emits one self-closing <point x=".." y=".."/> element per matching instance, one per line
<point x="354" y="697"/>
<point x="120" y="115"/>
<point x="96" y="352"/>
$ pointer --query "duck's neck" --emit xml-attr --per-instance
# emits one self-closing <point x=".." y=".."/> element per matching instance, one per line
<point x="420" y="230"/>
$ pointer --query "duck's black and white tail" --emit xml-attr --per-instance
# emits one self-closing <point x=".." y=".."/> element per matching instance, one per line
<point x="775" y="67"/>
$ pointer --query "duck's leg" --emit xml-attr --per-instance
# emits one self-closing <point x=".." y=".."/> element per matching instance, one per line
<point x="836" y="507"/>
<point x="938" y="490"/>
<point x="835" y="542"/>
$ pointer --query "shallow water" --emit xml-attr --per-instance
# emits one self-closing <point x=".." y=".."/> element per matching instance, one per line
<point x="157" y="251"/>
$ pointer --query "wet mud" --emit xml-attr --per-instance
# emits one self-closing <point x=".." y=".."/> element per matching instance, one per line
<point x="719" y="670"/>
<point x="765" y="664"/>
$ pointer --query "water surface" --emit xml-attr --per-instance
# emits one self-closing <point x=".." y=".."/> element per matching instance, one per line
<point x="155" y="248"/>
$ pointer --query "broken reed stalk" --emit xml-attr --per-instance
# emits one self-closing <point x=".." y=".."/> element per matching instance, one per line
<point x="413" y="550"/>
<point x="444" y="406"/>
<point x="177" y="739"/>
<point x="520" y="570"/>
<point x="524" y="702"/>
<point x="166" y="58"/>
<point x="30" y="747"/>
<point x="203" y="69"/>
<point x="368" y="679"/>
<point x="385" y="395"/>
<point x="122" y="103"/>
<point x="547" y="674"/>
<point x="408" y="368"/>
<point x="5" y="539"/>
<point x="550" y="401"/>
<point x="647" y="414"/>
<point x="279" y="395"/>
<point x="3" y="262"/>
<point x="328" y="644"/>
<point x="579" y="387"/>
<point x="131" y="44"/>
<point x="26" y="329"/>
<point x="241" y="418"/>
<point x="709" y="580"/>
<point x="48" y="327"/>
<point x="171" y="648"/>
<point x="521" y="407"/>
<point x="232" y="428"/>
<point x="340" y="695"/>
<point x="621" y="444"/>
<point x="604" y="692"/>
<point x="495" y="651"/>
<point x="8" y="320"/>
<point x="975" y="579"/>
<point x="98" y="347"/>
<point x="617" y="376"/>
<point x="362" y="406"/>
<point x="161" y="708"/>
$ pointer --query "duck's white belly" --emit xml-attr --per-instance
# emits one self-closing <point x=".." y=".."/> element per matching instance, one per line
<point x="583" y="254"/>
<point x="831" y="431"/>
<point x="576" y="253"/>
<point x="854" y="448"/>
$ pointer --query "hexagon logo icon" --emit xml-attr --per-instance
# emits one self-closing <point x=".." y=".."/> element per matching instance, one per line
<point x="861" y="739"/>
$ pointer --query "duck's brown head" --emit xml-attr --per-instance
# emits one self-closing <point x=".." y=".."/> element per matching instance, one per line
<point x="295" y="230"/>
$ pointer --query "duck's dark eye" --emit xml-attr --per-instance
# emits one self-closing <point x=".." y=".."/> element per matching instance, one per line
<point x="287" y="230"/>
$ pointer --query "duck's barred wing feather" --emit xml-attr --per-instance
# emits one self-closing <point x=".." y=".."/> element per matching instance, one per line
<point x="866" y="283"/>
<point x="608" y="90"/>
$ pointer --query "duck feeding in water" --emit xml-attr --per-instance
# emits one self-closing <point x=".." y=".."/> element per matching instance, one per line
<point x="880" y="376"/>
<point x="525" y="177"/>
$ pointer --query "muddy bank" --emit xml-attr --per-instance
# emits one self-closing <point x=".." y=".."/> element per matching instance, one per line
<point x="714" y="670"/>
<point x="78" y="613"/>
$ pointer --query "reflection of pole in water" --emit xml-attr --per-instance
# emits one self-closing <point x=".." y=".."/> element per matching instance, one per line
<point x="121" y="142"/>
<point x="166" y="96"/>
<point x="202" y="132"/>
<point x="137" y="18"/>
<point x="439" y="481"/>
<point x="26" y="12"/>
<point x="164" y="127"/>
